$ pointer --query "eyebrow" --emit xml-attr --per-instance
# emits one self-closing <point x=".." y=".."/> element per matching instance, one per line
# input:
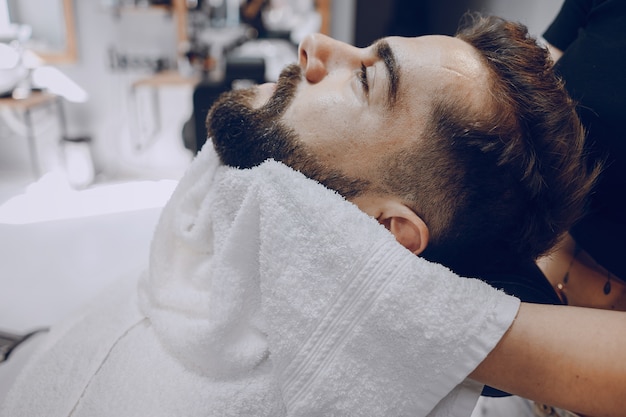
<point x="385" y="54"/>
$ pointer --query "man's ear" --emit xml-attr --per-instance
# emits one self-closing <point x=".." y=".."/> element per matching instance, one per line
<point x="408" y="228"/>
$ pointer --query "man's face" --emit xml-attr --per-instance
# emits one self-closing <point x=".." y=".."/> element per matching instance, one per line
<point x="343" y="111"/>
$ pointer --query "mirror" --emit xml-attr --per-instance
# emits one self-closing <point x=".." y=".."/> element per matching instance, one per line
<point x="51" y="23"/>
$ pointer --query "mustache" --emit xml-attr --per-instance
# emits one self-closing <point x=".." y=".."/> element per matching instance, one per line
<point x="286" y="85"/>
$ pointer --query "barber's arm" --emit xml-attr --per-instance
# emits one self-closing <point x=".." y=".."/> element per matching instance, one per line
<point x="570" y="357"/>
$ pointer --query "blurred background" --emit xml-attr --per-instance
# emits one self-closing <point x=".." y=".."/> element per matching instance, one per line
<point x="102" y="107"/>
<point x="100" y="91"/>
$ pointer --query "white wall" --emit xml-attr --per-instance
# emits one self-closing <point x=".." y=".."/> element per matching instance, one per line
<point x="535" y="14"/>
<point x="342" y="20"/>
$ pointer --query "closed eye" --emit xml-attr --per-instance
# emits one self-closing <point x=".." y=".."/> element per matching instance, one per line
<point x="363" y="79"/>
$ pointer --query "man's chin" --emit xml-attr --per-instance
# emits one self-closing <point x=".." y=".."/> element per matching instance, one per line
<point x="245" y="124"/>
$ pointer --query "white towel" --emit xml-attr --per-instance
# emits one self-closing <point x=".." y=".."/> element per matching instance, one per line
<point x="270" y="295"/>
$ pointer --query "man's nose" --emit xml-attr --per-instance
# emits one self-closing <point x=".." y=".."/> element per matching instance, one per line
<point x="319" y="54"/>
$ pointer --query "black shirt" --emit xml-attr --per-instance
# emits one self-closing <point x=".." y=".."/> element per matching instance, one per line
<point x="592" y="36"/>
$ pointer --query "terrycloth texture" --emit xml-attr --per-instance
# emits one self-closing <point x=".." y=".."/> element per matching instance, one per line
<point x="269" y="295"/>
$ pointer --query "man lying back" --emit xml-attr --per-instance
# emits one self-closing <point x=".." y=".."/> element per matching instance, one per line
<point x="268" y="294"/>
<point x="466" y="148"/>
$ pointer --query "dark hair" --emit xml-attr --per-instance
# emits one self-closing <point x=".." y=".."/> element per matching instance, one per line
<point x="499" y="187"/>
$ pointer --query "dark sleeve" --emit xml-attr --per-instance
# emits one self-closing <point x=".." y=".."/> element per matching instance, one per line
<point x="529" y="285"/>
<point x="564" y="28"/>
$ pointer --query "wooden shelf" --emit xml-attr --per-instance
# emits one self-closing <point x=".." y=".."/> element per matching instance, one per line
<point x="33" y="100"/>
<point x="166" y="78"/>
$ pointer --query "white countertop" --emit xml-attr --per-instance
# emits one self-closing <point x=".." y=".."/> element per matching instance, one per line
<point x="66" y="246"/>
<point x="49" y="269"/>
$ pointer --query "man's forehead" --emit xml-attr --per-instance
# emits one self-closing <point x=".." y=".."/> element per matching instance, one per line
<point x="445" y="52"/>
<point x="436" y="65"/>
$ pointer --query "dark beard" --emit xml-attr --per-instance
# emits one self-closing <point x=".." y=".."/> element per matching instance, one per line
<point x="244" y="137"/>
